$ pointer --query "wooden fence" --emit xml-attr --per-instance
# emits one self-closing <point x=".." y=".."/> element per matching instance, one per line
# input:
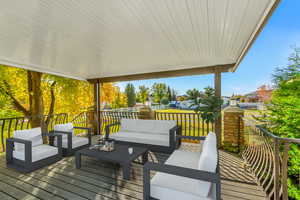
<point x="267" y="155"/>
<point x="9" y="125"/>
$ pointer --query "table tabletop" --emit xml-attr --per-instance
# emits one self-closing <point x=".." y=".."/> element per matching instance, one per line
<point x="119" y="154"/>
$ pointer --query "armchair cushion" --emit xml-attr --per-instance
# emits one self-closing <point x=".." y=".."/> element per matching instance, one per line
<point x="77" y="141"/>
<point x="38" y="152"/>
<point x="34" y="135"/>
<point x="147" y="126"/>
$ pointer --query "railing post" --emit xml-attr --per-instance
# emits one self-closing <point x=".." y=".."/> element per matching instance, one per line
<point x="276" y="169"/>
<point x="284" y="171"/>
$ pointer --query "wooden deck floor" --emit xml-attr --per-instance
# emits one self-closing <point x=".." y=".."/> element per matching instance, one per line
<point x="97" y="180"/>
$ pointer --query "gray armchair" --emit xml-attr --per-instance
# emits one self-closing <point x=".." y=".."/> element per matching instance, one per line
<point x="26" y="151"/>
<point x="71" y="142"/>
<point x="185" y="175"/>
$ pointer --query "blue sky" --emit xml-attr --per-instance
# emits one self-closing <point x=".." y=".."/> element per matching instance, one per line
<point x="271" y="49"/>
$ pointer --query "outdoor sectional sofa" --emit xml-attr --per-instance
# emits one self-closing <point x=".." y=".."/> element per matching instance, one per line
<point x="26" y="152"/>
<point x="186" y="175"/>
<point x="157" y="135"/>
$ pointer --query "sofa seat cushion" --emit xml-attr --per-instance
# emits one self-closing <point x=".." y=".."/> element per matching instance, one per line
<point x="150" y="138"/>
<point x="77" y="141"/>
<point x="38" y="153"/>
<point x="167" y="186"/>
<point x="147" y="126"/>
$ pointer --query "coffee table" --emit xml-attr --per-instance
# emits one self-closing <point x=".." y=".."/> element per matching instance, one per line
<point x="120" y="156"/>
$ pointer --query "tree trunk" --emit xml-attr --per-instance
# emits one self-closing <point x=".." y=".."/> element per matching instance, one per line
<point x="35" y="98"/>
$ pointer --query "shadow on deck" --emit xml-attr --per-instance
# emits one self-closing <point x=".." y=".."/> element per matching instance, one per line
<point x="97" y="180"/>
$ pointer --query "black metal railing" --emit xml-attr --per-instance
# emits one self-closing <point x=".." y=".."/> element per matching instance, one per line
<point x="267" y="157"/>
<point x="110" y="117"/>
<point x="9" y="125"/>
<point x="191" y="124"/>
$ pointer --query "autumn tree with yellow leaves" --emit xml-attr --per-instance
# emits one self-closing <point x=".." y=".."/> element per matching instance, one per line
<point x="28" y="93"/>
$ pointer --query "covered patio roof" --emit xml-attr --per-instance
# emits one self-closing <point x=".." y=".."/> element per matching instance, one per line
<point x="131" y="39"/>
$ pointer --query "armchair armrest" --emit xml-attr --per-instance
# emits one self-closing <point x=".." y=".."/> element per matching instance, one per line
<point x="180" y="137"/>
<point x="173" y="135"/>
<point x="89" y="132"/>
<point x="107" y="128"/>
<point x="179" y="171"/>
<point x="10" y="147"/>
<point x="182" y="171"/>
<point x="69" y="135"/>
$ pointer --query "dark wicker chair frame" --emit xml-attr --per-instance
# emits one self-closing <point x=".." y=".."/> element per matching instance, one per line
<point x="176" y="130"/>
<point x="71" y="151"/>
<point x="181" y="171"/>
<point x="27" y="165"/>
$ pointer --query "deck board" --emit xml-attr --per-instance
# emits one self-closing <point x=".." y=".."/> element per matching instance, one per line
<point x="98" y="180"/>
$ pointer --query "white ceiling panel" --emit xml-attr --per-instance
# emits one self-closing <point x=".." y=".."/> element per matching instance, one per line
<point x="88" y="39"/>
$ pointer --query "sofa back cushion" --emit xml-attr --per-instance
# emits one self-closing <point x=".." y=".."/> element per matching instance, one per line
<point x="65" y="128"/>
<point x="34" y="135"/>
<point x="147" y="126"/>
<point x="208" y="160"/>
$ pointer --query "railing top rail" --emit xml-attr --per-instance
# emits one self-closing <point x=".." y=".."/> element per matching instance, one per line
<point x="24" y="117"/>
<point x="176" y="113"/>
<point x="262" y="128"/>
<point x="265" y="131"/>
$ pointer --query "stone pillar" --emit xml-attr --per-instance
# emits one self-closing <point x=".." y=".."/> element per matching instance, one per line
<point x="233" y="130"/>
<point x="146" y="113"/>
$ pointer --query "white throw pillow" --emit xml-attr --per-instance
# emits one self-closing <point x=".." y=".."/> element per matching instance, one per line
<point x="65" y="128"/>
<point x="208" y="160"/>
<point x="34" y="135"/>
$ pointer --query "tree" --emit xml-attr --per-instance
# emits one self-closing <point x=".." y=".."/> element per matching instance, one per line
<point x="159" y="90"/>
<point x="284" y="115"/>
<point x="130" y="93"/>
<point x="169" y="93"/>
<point x="193" y="95"/>
<point x="56" y="95"/>
<point x="207" y="105"/>
<point x="143" y="94"/>
<point x="173" y="95"/>
<point x="165" y="101"/>
<point x="35" y="107"/>
<point x="120" y="99"/>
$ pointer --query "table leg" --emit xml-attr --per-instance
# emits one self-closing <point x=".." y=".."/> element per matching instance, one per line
<point x="145" y="157"/>
<point x="78" y="160"/>
<point x="126" y="171"/>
